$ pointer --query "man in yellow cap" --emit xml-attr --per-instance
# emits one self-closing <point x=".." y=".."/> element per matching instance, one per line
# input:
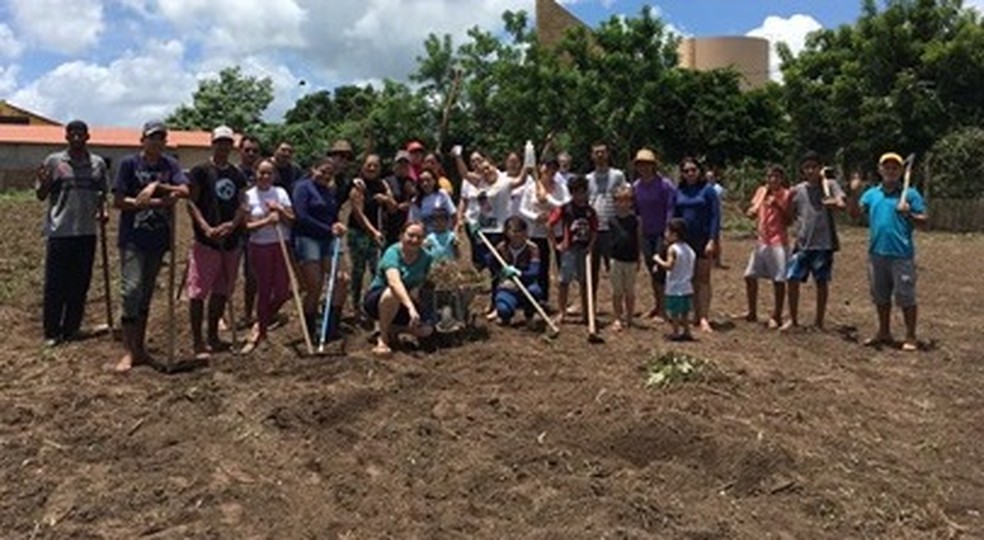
<point x="892" y="215"/>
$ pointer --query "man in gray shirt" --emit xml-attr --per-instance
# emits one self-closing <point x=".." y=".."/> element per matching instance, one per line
<point x="812" y="203"/>
<point x="74" y="183"/>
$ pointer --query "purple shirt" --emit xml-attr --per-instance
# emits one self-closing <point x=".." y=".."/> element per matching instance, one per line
<point x="654" y="202"/>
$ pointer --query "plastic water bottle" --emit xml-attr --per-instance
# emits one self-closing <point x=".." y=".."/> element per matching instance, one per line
<point x="529" y="157"/>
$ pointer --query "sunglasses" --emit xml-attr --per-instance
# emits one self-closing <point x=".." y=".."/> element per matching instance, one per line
<point x="689" y="169"/>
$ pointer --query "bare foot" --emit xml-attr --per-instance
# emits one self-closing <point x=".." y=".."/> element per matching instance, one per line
<point x="910" y="345"/>
<point x="705" y="326"/>
<point x="774" y="323"/>
<point x="382" y="349"/>
<point x="617" y="326"/>
<point x="559" y="320"/>
<point x="788" y="326"/>
<point x="125" y="364"/>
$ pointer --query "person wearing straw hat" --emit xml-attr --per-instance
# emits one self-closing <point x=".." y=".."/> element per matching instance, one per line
<point x="74" y="184"/>
<point x="146" y="187"/>
<point x="218" y="213"/>
<point x="892" y="215"/>
<point x="655" y="200"/>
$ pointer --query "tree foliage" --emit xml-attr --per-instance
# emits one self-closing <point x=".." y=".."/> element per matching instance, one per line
<point x="898" y="79"/>
<point x="232" y="99"/>
<point x="958" y="164"/>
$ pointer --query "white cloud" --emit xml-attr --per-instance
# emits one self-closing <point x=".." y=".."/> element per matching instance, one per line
<point x="975" y="4"/>
<point x="10" y="46"/>
<point x="125" y="92"/>
<point x="64" y="26"/>
<point x="237" y="25"/>
<point x="792" y="31"/>
<point x="8" y="79"/>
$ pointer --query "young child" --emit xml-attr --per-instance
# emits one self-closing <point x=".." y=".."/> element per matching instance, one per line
<point x="812" y="203"/>
<point x="626" y="231"/>
<point x="522" y="259"/>
<point x="580" y="229"/>
<point x="770" y="207"/>
<point x="441" y="243"/>
<point x="892" y="215"/>
<point x="679" y="266"/>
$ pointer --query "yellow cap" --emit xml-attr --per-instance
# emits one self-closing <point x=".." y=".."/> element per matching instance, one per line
<point x="890" y="156"/>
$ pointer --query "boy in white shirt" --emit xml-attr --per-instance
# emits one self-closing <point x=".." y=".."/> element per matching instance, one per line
<point x="679" y="266"/>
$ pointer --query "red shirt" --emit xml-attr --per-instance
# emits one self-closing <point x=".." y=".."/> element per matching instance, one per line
<point x="580" y="223"/>
<point x="772" y="212"/>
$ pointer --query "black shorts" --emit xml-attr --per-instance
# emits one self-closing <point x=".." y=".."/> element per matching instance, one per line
<point x="370" y="304"/>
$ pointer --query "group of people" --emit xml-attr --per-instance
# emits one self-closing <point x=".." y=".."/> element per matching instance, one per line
<point x="523" y="223"/>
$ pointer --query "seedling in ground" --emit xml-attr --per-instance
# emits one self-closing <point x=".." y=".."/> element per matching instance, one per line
<point x="673" y="367"/>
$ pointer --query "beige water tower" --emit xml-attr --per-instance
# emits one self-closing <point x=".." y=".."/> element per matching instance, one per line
<point x="748" y="55"/>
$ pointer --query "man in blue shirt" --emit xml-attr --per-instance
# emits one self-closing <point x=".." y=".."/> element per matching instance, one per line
<point x="892" y="216"/>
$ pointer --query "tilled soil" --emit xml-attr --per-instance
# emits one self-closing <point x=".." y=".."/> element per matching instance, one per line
<point x="507" y="435"/>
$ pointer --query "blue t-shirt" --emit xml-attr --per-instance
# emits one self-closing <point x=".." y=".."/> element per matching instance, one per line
<point x="700" y="208"/>
<point x="412" y="275"/>
<point x="316" y="207"/>
<point x="145" y="229"/>
<point x="889" y="232"/>
<point x="440" y="246"/>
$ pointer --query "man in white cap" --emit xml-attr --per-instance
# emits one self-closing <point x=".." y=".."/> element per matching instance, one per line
<point x="218" y="212"/>
<point x="147" y="185"/>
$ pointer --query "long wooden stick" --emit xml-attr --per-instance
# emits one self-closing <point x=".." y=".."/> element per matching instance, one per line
<point x="529" y="297"/>
<point x="105" y="269"/>
<point x="295" y="290"/>
<point x="589" y="275"/>
<point x="230" y="305"/>
<point x="172" y="330"/>
<point x="907" y="178"/>
<point x="442" y="131"/>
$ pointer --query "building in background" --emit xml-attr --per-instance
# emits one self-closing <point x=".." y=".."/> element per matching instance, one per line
<point x="11" y="114"/>
<point x="24" y="147"/>
<point x="747" y="55"/>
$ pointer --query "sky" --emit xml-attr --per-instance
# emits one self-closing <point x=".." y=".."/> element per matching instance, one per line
<point x="121" y="62"/>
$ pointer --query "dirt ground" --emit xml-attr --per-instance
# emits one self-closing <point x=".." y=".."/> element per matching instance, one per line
<point x="507" y="436"/>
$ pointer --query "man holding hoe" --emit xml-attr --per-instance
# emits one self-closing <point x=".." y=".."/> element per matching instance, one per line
<point x="893" y="210"/>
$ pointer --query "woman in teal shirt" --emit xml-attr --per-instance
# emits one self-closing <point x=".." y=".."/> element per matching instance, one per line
<point x="394" y="293"/>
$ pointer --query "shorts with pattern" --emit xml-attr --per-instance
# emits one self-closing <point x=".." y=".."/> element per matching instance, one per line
<point x="892" y="277"/>
<point x="768" y="262"/>
<point x="572" y="264"/>
<point x="211" y="271"/>
<point x="819" y="262"/>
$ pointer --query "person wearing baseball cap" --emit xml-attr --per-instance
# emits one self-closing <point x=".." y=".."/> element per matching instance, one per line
<point x="892" y="213"/>
<point x="218" y="215"/>
<point x="417" y="151"/>
<point x="147" y="186"/>
<point x="812" y="203"/>
<point x="73" y="182"/>
<point x="402" y="189"/>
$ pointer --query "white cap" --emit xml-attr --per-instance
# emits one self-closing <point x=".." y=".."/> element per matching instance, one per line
<point x="223" y="132"/>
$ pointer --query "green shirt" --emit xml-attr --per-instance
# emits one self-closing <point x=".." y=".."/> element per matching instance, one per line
<point x="412" y="274"/>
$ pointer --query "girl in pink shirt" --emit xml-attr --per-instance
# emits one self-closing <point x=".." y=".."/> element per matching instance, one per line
<point x="770" y="207"/>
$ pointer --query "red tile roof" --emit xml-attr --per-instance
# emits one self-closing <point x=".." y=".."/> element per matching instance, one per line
<point x="112" y="137"/>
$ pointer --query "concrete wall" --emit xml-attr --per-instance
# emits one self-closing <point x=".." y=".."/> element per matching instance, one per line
<point x="748" y="55"/>
<point x="18" y="162"/>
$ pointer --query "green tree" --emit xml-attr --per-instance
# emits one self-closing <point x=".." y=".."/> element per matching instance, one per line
<point x="232" y="99"/>
<point x="898" y="79"/>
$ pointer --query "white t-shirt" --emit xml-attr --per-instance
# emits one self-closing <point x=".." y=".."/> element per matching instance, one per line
<point x="489" y="212"/>
<point x="516" y="195"/>
<point x="679" y="278"/>
<point x="601" y="191"/>
<point x="257" y="200"/>
<point x="531" y="207"/>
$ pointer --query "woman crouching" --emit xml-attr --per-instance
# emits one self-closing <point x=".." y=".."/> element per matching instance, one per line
<point x="394" y="294"/>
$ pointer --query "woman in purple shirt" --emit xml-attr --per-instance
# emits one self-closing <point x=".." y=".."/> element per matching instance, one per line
<point x="697" y="203"/>
<point x="655" y="198"/>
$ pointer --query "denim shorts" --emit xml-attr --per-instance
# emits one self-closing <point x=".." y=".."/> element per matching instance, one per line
<point x="308" y="249"/>
<point x="572" y="264"/>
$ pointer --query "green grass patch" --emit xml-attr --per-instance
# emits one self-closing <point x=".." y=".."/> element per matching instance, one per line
<point x="673" y="367"/>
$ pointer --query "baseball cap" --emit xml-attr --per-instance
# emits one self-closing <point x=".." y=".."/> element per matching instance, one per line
<point x="415" y="146"/>
<point x="810" y="156"/>
<point x="76" y="125"/>
<point x="154" y="126"/>
<point x="402" y="155"/>
<point x="890" y="156"/>
<point x="223" y="133"/>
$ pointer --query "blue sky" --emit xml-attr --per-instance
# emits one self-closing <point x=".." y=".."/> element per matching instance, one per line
<point x="119" y="62"/>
